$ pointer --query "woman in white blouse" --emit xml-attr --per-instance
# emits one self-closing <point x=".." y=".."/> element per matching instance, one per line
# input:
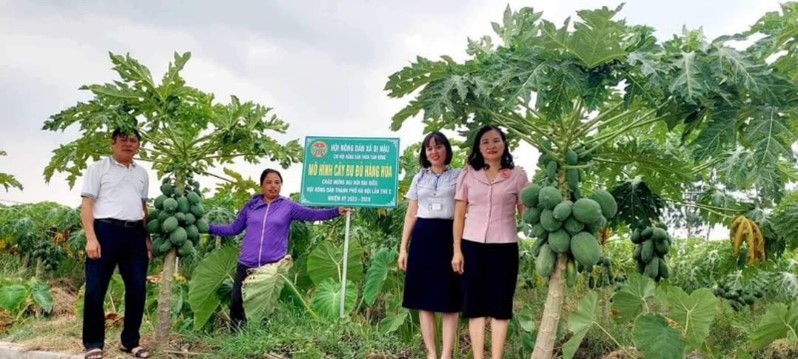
<point x="431" y="286"/>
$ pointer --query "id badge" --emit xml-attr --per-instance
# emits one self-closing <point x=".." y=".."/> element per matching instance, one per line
<point x="435" y="206"/>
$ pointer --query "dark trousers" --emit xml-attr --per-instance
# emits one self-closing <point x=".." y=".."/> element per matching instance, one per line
<point x="237" y="315"/>
<point x="124" y="247"/>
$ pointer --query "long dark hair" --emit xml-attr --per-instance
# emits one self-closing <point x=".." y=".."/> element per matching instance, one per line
<point x="439" y="139"/>
<point x="475" y="159"/>
<point x="266" y="173"/>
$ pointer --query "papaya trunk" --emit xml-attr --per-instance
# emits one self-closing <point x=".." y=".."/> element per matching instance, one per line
<point x="164" y="325"/>
<point x="547" y="335"/>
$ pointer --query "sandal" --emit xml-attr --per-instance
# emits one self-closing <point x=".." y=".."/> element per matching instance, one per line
<point x="96" y="353"/>
<point x="137" y="352"/>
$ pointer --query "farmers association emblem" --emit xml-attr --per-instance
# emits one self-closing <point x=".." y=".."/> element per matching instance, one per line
<point x="318" y="149"/>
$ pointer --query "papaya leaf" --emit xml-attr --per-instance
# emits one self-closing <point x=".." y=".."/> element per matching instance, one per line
<point x="778" y="321"/>
<point x="391" y="323"/>
<point x="785" y="220"/>
<point x="327" y="301"/>
<point x="580" y="322"/>
<point x="210" y="274"/>
<point x="326" y="261"/>
<point x="656" y="339"/>
<point x="637" y="204"/>
<point x="8" y="181"/>
<point x="694" y="312"/>
<point x="377" y="273"/>
<point x="630" y="301"/>
<point x="261" y="289"/>
<point x="42" y="295"/>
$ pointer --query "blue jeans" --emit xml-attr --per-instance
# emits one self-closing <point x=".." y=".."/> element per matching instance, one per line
<point x="122" y="246"/>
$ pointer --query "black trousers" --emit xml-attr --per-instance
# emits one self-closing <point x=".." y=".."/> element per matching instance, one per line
<point x="124" y="247"/>
<point x="237" y="315"/>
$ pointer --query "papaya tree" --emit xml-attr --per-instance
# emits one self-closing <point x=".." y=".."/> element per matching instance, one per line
<point x="8" y="181"/>
<point x="185" y="133"/>
<point x="615" y="95"/>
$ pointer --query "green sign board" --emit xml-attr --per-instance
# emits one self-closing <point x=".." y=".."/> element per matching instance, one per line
<point x="350" y="172"/>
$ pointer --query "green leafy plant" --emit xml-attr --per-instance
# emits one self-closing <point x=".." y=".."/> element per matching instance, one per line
<point x="261" y="289"/>
<point x="780" y="321"/>
<point x="184" y="133"/>
<point x="212" y="274"/>
<point x="666" y="321"/>
<point x="8" y="181"/>
<point x="20" y="297"/>
<point x="603" y="83"/>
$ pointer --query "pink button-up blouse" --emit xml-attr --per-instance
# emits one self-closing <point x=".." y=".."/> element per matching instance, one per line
<point x="491" y="207"/>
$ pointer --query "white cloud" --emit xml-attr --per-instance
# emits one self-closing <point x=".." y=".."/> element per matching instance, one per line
<point x="321" y="67"/>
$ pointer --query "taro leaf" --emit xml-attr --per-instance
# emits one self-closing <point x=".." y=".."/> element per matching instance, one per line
<point x="637" y="205"/>
<point x="12" y="297"/>
<point x="778" y="321"/>
<point x="580" y="323"/>
<point x="42" y="295"/>
<point x="656" y="339"/>
<point x="207" y="278"/>
<point x="225" y="290"/>
<point x="326" y="261"/>
<point x="392" y="322"/>
<point x="327" y="301"/>
<point x="694" y="312"/>
<point x="631" y="299"/>
<point x="262" y="288"/>
<point x="376" y="274"/>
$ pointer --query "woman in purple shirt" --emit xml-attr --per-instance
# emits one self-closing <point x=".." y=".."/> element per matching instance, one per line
<point x="267" y="220"/>
<point x="486" y="240"/>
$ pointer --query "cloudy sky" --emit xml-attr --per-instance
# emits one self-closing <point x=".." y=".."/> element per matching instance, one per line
<point x="322" y="65"/>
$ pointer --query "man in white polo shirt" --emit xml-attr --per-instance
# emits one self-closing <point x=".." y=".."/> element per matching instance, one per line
<point x="114" y="213"/>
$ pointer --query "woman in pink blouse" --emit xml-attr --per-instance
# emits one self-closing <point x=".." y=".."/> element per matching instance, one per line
<point x="486" y="241"/>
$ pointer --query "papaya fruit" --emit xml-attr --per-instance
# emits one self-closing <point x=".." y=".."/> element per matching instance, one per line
<point x="548" y="222"/>
<point x="544" y="263"/>
<point x="647" y="253"/>
<point x="587" y="211"/>
<point x="529" y="196"/>
<point x="585" y="249"/>
<point x="170" y="224"/>
<point x="178" y="237"/>
<point x="573" y="226"/>
<point x="170" y="205"/>
<point x="570" y="274"/>
<point x="532" y="215"/>
<point x="562" y="211"/>
<point x="559" y="241"/>
<point x="549" y="197"/>
<point x="551" y="170"/>
<point x="571" y="158"/>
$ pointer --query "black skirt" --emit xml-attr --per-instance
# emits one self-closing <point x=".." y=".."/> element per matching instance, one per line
<point x="430" y="282"/>
<point x="490" y="272"/>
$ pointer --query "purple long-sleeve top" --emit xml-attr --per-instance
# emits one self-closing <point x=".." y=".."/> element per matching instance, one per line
<point x="268" y="226"/>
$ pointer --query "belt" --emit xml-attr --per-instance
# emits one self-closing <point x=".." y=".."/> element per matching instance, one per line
<point x="121" y="223"/>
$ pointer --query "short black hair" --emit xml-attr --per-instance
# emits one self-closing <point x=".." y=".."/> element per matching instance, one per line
<point x="266" y="173"/>
<point x="440" y="139"/>
<point x="119" y="132"/>
<point x="475" y="159"/>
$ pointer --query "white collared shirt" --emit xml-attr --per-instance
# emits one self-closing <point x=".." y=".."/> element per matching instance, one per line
<point x="434" y="193"/>
<point x="118" y="190"/>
